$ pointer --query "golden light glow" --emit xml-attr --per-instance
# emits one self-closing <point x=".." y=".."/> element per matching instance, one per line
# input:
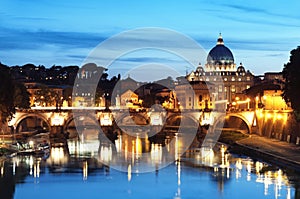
<point x="129" y="173"/>
<point x="238" y="164"/>
<point x="58" y="155"/>
<point x="57" y="120"/>
<point x="138" y="145"/>
<point x="36" y="170"/>
<point x="106" y="153"/>
<point x="264" y="97"/>
<point x="269" y="115"/>
<point x="106" y="119"/>
<point x="85" y="170"/>
<point x="279" y="116"/>
<point x="156" y="118"/>
<point x="156" y="153"/>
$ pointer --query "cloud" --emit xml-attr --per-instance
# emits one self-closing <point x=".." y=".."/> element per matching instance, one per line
<point x="148" y="59"/>
<point x="276" y="55"/>
<point x="257" y="21"/>
<point x="247" y="9"/>
<point x="13" y="39"/>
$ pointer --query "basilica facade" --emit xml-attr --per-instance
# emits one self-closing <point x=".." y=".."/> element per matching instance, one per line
<point x="220" y="80"/>
<point x="228" y="80"/>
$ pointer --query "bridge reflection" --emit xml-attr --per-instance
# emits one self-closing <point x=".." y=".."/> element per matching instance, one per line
<point x="223" y="167"/>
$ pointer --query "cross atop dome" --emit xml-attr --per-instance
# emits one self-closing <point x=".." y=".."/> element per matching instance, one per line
<point x="220" y="40"/>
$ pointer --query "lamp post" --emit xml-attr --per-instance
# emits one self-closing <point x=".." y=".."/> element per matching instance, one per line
<point x="256" y="102"/>
<point x="248" y="103"/>
<point x="106" y="96"/>
<point x="193" y="93"/>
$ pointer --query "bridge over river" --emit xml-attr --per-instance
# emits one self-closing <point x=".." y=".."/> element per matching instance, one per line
<point x="48" y="119"/>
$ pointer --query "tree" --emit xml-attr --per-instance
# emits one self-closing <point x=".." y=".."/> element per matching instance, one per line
<point x="21" y="96"/>
<point x="291" y="74"/>
<point x="7" y="108"/>
<point x="47" y="97"/>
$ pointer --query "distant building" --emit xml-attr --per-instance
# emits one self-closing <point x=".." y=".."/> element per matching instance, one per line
<point x="220" y="70"/>
<point x="129" y="98"/>
<point x="194" y="95"/>
<point x="267" y="94"/>
<point x="274" y="76"/>
<point x="86" y="84"/>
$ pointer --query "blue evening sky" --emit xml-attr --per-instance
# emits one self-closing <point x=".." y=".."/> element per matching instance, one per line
<point x="260" y="33"/>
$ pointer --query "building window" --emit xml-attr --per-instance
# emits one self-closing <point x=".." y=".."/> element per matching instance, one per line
<point x="233" y="88"/>
<point x="190" y="99"/>
<point x="207" y="79"/>
<point x="233" y="79"/>
<point x="248" y="86"/>
<point x="220" y="88"/>
<point x="248" y="78"/>
<point x="200" y="98"/>
<point x="225" y="79"/>
<point x="240" y="79"/>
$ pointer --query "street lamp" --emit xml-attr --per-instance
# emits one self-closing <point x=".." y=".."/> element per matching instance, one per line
<point x="248" y="103"/>
<point x="256" y="102"/>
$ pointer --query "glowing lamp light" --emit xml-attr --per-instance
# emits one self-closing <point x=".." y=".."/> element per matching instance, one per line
<point x="31" y="144"/>
<point x="156" y="119"/>
<point x="279" y="116"/>
<point x="106" y="119"/>
<point x="57" y="120"/>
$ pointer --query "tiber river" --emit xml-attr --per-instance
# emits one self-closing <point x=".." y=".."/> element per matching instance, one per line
<point x="219" y="175"/>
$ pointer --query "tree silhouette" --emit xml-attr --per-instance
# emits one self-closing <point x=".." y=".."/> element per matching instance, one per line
<point x="7" y="107"/>
<point x="21" y="96"/>
<point x="291" y="74"/>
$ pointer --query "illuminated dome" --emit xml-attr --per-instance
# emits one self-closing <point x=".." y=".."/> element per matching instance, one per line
<point x="200" y="69"/>
<point x="220" y="54"/>
<point x="241" y="69"/>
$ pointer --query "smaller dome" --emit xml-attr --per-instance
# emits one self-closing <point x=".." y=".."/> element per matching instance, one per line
<point x="200" y="68"/>
<point x="241" y="69"/>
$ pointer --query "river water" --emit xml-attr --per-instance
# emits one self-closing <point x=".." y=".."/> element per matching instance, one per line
<point x="220" y="175"/>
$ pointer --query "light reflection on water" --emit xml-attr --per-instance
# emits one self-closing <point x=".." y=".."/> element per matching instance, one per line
<point x="217" y="175"/>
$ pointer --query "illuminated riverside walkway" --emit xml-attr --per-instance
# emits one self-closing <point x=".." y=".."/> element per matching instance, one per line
<point x="272" y="150"/>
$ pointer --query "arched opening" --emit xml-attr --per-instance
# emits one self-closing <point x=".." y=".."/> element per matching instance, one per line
<point x="234" y="123"/>
<point x="33" y="124"/>
<point x="179" y="120"/>
<point x="174" y="120"/>
<point x="85" y="125"/>
<point x="132" y="119"/>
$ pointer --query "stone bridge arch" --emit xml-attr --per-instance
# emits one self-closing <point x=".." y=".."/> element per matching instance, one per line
<point x="38" y="116"/>
<point x="84" y="121"/>
<point x="131" y="118"/>
<point x="234" y="118"/>
<point x="176" y="118"/>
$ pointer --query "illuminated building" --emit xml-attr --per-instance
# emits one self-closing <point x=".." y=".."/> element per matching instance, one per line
<point x="220" y="70"/>
<point x="194" y="96"/>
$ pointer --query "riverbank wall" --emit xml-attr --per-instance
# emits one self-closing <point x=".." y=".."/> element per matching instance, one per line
<point x="281" y="125"/>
